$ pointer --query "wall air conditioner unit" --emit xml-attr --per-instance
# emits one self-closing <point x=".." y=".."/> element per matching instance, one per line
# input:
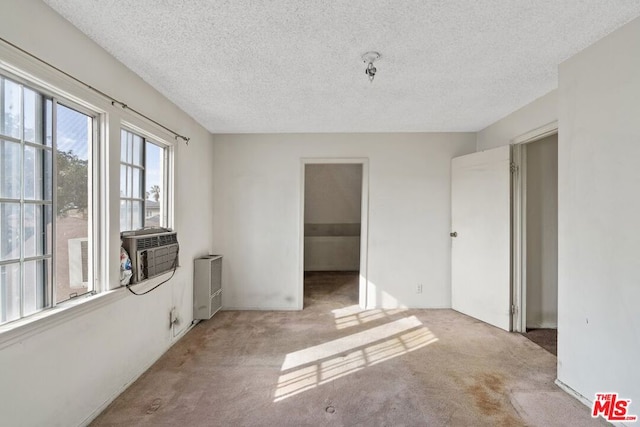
<point x="79" y="263"/>
<point x="152" y="252"/>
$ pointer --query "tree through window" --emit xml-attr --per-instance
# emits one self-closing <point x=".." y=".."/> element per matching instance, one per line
<point x="45" y="201"/>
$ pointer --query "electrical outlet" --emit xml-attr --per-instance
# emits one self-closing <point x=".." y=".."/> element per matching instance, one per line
<point x="173" y="317"/>
<point x="419" y="288"/>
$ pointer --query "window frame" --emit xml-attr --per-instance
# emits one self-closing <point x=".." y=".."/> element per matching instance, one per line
<point x="22" y="202"/>
<point x="93" y="207"/>
<point x="20" y="67"/>
<point x="168" y="154"/>
<point x="95" y="190"/>
<point x="141" y="168"/>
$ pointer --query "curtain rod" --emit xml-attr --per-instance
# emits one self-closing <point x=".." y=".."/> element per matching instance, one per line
<point x="113" y="100"/>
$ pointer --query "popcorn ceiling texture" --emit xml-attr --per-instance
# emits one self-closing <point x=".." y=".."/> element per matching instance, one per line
<point x="294" y="66"/>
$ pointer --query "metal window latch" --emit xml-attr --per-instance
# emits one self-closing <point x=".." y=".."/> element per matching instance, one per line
<point x="453" y="234"/>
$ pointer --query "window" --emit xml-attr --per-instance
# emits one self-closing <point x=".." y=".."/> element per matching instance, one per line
<point x="143" y="182"/>
<point x="46" y="196"/>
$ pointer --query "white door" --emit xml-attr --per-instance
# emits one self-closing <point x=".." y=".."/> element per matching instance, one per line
<point x="481" y="224"/>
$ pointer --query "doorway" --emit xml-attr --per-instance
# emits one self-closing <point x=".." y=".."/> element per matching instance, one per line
<point x="334" y="224"/>
<point x="536" y="220"/>
<point x="504" y="213"/>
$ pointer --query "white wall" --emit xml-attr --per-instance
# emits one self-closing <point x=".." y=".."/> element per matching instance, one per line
<point x="332" y="193"/>
<point x="598" y="100"/>
<point x="542" y="232"/>
<point x="599" y="208"/>
<point x="332" y="214"/>
<point x="538" y="113"/>
<point x="257" y="224"/>
<point x="62" y="375"/>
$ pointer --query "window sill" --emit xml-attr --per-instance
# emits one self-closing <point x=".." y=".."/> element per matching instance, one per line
<point x="48" y="318"/>
<point x="13" y="332"/>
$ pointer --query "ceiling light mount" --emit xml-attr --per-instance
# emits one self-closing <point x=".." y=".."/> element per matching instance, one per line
<point x="369" y="58"/>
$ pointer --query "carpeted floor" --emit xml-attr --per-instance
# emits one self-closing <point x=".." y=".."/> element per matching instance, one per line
<point x="545" y="338"/>
<point x="333" y="364"/>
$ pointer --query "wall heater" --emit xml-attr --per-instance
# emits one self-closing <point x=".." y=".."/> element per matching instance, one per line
<point x="207" y="286"/>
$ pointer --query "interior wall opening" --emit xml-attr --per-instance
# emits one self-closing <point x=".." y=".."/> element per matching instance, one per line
<point x="540" y="229"/>
<point x="332" y="233"/>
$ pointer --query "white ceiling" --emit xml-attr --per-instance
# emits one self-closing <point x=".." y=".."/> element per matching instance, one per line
<point x="241" y="66"/>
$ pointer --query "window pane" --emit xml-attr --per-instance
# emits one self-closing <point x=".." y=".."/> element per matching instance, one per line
<point x="123" y="181"/>
<point x="34" y="286"/>
<point x="129" y="181"/>
<point x="137" y="150"/>
<point x="48" y="175"/>
<point x="9" y="292"/>
<point x="145" y="182"/>
<point x="32" y="116"/>
<point x="9" y="231"/>
<point x="154" y="177"/>
<point x="34" y="238"/>
<point x="33" y="173"/>
<point x="123" y="145"/>
<point x="11" y="120"/>
<point x="137" y="215"/>
<point x="136" y="185"/>
<point x="74" y="132"/>
<point x="125" y="215"/>
<point x="69" y="259"/>
<point x="48" y="123"/>
<point x="129" y="147"/>
<point x="10" y="166"/>
<point x="48" y="227"/>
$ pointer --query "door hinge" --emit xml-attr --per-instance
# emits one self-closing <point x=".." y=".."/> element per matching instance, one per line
<point x="513" y="167"/>
<point x="513" y="309"/>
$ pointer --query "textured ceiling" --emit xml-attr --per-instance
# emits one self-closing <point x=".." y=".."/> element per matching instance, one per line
<point x="241" y="66"/>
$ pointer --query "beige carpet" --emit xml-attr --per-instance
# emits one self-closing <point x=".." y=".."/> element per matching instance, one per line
<point x="332" y="364"/>
<point x="545" y="338"/>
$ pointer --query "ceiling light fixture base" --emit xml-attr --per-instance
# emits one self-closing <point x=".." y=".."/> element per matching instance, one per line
<point x="369" y="58"/>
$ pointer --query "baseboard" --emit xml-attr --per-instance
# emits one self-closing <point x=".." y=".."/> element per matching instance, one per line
<point x="113" y="397"/>
<point x="254" y="308"/>
<point x="575" y="394"/>
<point x="542" y="326"/>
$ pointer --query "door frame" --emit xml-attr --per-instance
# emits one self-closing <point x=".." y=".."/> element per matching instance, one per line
<point x="519" y="221"/>
<point x="364" y="223"/>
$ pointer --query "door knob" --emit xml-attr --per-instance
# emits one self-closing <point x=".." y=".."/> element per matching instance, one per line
<point x="454" y="234"/>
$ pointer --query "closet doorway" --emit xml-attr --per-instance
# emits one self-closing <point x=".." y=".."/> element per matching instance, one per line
<point x="334" y="224"/>
<point x="538" y="233"/>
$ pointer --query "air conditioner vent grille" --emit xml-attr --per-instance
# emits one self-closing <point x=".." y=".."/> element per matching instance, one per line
<point x="167" y="239"/>
<point x="147" y="242"/>
<point x="151" y="254"/>
<point x="156" y="241"/>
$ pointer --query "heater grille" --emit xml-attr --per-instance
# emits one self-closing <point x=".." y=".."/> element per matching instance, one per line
<point x="207" y="286"/>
